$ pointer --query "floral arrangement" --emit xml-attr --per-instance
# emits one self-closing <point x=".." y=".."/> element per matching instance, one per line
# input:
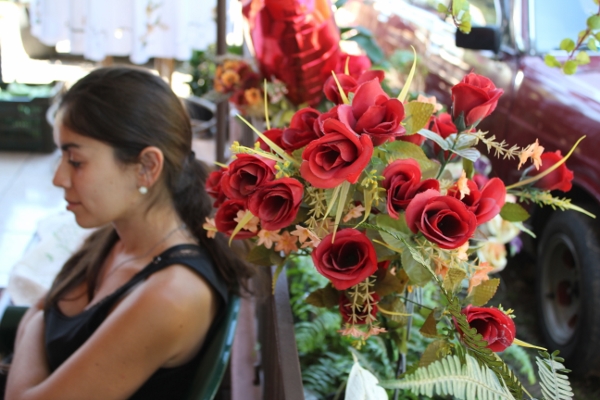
<point x="387" y="196"/>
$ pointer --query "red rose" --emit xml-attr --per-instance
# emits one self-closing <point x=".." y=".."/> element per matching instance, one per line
<point x="443" y="126"/>
<point x="476" y="97"/>
<point x="274" y="135"/>
<point x="361" y="312"/>
<point x="373" y="113"/>
<point x="496" y="328"/>
<point x="224" y="219"/>
<point x="318" y="125"/>
<point x="347" y="261"/>
<point x="559" y="179"/>
<point x="414" y="139"/>
<point x="332" y="91"/>
<point x="245" y="174"/>
<point x="338" y="156"/>
<point x="357" y="65"/>
<point x="276" y="203"/>
<point x="443" y="220"/>
<point x="302" y="129"/>
<point x="213" y="186"/>
<point x="402" y="181"/>
<point x="485" y="203"/>
<point x="480" y="180"/>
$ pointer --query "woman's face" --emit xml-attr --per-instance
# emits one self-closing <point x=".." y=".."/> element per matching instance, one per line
<point x="98" y="189"/>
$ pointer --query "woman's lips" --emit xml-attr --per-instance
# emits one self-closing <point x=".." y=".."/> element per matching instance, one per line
<point x="71" y="205"/>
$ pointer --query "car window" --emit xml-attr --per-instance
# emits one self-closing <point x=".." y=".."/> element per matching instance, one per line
<point x="554" y="20"/>
<point x="485" y="12"/>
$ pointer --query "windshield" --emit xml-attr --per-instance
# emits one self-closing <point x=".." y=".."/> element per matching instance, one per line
<point x="555" y="20"/>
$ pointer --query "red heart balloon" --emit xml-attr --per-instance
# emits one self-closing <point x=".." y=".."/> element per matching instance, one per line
<point x="295" y="41"/>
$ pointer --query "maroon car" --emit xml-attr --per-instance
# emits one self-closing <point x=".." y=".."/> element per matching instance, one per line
<point x="539" y="102"/>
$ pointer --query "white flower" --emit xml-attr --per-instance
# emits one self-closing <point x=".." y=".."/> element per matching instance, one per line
<point x="494" y="253"/>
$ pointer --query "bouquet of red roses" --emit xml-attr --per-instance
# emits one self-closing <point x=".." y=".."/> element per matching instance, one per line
<point x="387" y="195"/>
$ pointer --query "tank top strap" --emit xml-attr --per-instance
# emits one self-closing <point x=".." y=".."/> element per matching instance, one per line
<point x="190" y="255"/>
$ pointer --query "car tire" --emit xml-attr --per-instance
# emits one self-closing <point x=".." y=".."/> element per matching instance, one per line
<point x="568" y="289"/>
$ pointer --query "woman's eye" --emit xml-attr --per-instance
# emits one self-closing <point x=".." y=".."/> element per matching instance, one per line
<point x="75" y="164"/>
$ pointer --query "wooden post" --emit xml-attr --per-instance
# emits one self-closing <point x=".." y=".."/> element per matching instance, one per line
<point x="222" y="107"/>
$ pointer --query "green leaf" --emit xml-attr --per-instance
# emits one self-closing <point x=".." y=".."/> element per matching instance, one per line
<point x="582" y="58"/>
<point x="325" y="297"/>
<point x="429" y="328"/>
<point x="593" y="22"/>
<point x="396" y="305"/>
<point x="513" y="212"/>
<point x="567" y="45"/>
<point x="551" y="61"/>
<point x="570" y="67"/>
<point x="469" y="167"/>
<point x="453" y="279"/>
<point x="402" y="150"/>
<point x="597" y="36"/>
<point x="393" y="225"/>
<point x="340" y="3"/>
<point x="435" y="351"/>
<point x="411" y="74"/>
<point x="465" y="26"/>
<point x="388" y="283"/>
<point x="368" y="44"/>
<point x="416" y="267"/>
<point x="442" y="8"/>
<point x="484" y="292"/>
<point x="260" y="255"/>
<point x="417" y="115"/>
<point x="592" y="44"/>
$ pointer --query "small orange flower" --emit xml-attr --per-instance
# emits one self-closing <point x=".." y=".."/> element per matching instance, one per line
<point x="251" y="225"/>
<point x="210" y="227"/>
<point x="266" y="238"/>
<point x="230" y="78"/>
<point x="431" y="100"/>
<point x="534" y="151"/>
<point x="355" y="212"/>
<point x="253" y="96"/>
<point x="480" y="275"/>
<point x="286" y="243"/>
<point x="462" y="185"/>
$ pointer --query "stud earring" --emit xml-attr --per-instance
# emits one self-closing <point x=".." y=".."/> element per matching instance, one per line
<point x="143" y="189"/>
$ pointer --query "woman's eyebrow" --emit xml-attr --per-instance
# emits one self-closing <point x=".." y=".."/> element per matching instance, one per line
<point x="67" y="146"/>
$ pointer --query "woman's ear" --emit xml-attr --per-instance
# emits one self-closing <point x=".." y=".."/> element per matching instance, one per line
<point x="151" y="165"/>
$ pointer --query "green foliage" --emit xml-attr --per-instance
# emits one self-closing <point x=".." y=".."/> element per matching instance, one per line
<point x="365" y="40"/>
<point x="553" y="379"/>
<point x="513" y="212"/>
<point x="450" y="376"/>
<point x="203" y="66"/>
<point x="518" y="357"/>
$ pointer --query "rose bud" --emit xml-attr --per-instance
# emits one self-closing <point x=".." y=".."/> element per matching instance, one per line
<point x="373" y="113"/>
<point x="301" y="131"/>
<point x="213" y="186"/>
<point x="475" y="97"/>
<point x="274" y="135"/>
<point x="225" y="216"/>
<point x="340" y="155"/>
<point x="347" y="261"/>
<point x="443" y="126"/>
<point x="559" y="179"/>
<point x="402" y="181"/>
<point x="485" y="203"/>
<point x="496" y="328"/>
<point x="245" y="174"/>
<point x="276" y="203"/>
<point x="360" y="313"/>
<point x="318" y="124"/>
<point x="443" y="220"/>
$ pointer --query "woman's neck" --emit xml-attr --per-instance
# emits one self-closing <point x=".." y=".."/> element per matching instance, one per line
<point x="140" y="232"/>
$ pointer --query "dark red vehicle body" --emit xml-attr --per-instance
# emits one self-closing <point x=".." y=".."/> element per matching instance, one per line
<point x="539" y="102"/>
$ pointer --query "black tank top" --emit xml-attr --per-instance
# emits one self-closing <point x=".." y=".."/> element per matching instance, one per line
<point x="64" y="335"/>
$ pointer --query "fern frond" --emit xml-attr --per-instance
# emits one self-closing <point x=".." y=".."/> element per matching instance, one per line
<point x="477" y="348"/>
<point x="543" y="198"/>
<point x="449" y="377"/>
<point x="521" y="360"/>
<point x="553" y="379"/>
<point x="500" y="148"/>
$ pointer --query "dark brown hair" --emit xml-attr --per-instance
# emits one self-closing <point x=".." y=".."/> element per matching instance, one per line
<point x="130" y="109"/>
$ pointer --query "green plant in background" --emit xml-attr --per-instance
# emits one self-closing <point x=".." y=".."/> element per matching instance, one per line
<point x="325" y="354"/>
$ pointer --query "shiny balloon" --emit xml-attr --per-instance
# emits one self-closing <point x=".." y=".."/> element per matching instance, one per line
<point x="295" y="41"/>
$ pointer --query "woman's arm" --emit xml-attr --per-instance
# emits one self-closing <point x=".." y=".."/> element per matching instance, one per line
<point x="157" y="323"/>
<point x="27" y="317"/>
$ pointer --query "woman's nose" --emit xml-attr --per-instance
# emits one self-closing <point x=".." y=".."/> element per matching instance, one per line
<point x="61" y="177"/>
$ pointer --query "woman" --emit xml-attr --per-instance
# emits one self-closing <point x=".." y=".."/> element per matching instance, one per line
<point x="128" y="314"/>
